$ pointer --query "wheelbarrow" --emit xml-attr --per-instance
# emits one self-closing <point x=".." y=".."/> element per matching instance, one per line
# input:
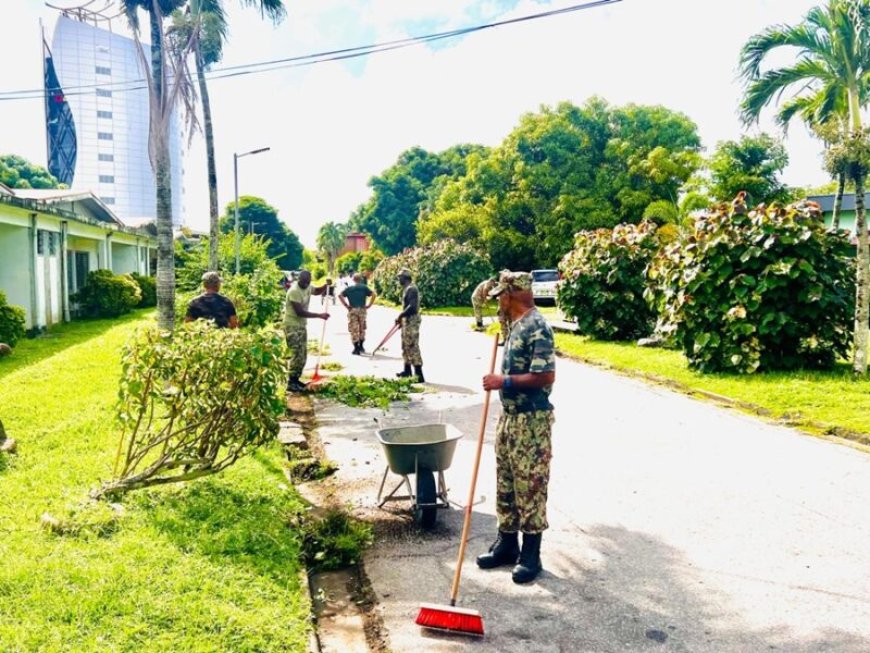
<point x="423" y="451"/>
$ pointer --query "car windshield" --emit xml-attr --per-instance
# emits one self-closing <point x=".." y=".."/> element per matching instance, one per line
<point x="545" y="275"/>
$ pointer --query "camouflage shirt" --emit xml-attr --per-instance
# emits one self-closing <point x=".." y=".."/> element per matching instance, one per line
<point x="529" y="349"/>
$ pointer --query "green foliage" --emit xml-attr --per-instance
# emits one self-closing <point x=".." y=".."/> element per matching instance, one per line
<point x="402" y="191"/>
<point x="148" y="287"/>
<point x="348" y="263"/>
<point x="193" y="402"/>
<point x="258" y="217"/>
<point x="191" y="259"/>
<point x="370" y="260"/>
<point x="334" y="542"/>
<point x="746" y="291"/>
<point x="445" y="273"/>
<point x="106" y="294"/>
<point x="604" y="281"/>
<point x="12" y="320"/>
<point x="564" y="170"/>
<point x="330" y="240"/>
<point x="258" y="297"/>
<point x="753" y="165"/>
<point x="367" y="391"/>
<point x="661" y="212"/>
<point x="18" y="172"/>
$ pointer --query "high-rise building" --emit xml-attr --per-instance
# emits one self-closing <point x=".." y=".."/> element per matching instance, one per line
<point x="97" y="118"/>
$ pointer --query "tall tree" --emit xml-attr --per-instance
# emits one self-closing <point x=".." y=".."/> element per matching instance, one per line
<point x="832" y="64"/>
<point x="169" y="85"/>
<point x="18" y="172"/>
<point x="206" y="22"/>
<point x="754" y="165"/>
<point x="258" y="217"/>
<point x="330" y="240"/>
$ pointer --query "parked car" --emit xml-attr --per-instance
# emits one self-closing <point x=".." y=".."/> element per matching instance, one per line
<point x="544" y="285"/>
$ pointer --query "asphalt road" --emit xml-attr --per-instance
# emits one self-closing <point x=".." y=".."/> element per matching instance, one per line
<point x="676" y="525"/>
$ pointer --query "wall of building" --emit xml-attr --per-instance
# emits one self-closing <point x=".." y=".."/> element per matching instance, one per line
<point x="124" y="259"/>
<point x="15" y="266"/>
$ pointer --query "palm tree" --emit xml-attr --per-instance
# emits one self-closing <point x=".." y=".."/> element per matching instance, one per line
<point x="168" y="84"/>
<point x="330" y="240"/>
<point x="832" y="71"/>
<point x="208" y="43"/>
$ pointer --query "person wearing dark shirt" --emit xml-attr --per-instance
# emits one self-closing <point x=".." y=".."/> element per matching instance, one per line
<point x="211" y="305"/>
<point x="357" y="299"/>
<point x="409" y="321"/>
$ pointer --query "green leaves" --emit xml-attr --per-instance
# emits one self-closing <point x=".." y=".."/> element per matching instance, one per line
<point x="12" y="320"/>
<point x="765" y="289"/>
<point x="106" y="294"/>
<point x="367" y="391"/>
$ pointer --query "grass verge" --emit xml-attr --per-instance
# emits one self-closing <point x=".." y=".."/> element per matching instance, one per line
<point x="832" y="402"/>
<point x="207" y="566"/>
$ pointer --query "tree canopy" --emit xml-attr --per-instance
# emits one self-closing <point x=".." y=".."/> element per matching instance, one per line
<point x="259" y="217"/>
<point x="754" y="165"/>
<point x="18" y="172"/>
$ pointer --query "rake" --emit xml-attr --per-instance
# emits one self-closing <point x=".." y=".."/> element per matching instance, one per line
<point x="316" y="378"/>
<point x="389" y="335"/>
<point x="448" y="617"/>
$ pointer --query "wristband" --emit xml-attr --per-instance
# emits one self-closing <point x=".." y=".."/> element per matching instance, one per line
<point x="508" y="382"/>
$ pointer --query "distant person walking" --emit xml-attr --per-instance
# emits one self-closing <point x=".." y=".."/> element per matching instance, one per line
<point x="479" y="298"/>
<point x="296" y="316"/>
<point x="523" y="436"/>
<point x="211" y="305"/>
<point x="357" y="299"/>
<point x="409" y="321"/>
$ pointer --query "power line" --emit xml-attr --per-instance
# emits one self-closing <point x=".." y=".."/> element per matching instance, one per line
<point x="311" y="59"/>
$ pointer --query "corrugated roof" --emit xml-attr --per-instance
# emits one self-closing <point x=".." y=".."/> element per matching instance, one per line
<point x="57" y="195"/>
<point x="827" y="201"/>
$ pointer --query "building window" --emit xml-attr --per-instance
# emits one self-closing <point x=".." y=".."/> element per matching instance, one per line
<point x="108" y="200"/>
<point x="105" y="136"/>
<point x="106" y="157"/>
<point x="103" y="70"/>
<point x="47" y="242"/>
<point x="104" y="92"/>
<point x="107" y="179"/>
<point x="104" y="114"/>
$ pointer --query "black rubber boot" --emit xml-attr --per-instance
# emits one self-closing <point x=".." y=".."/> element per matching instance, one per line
<point x="295" y="385"/>
<point x="355" y="351"/>
<point x="405" y="372"/>
<point x="529" y="566"/>
<point x="504" y="551"/>
<point x="362" y="348"/>
<point x="480" y="324"/>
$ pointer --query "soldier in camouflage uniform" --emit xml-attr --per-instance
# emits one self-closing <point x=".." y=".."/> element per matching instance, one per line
<point x="478" y="300"/>
<point x="409" y="321"/>
<point x="522" y="447"/>
<point x="357" y="299"/>
<point x="296" y="315"/>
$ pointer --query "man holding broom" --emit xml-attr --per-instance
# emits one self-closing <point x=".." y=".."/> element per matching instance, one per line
<point x="357" y="299"/>
<point x="296" y="314"/>
<point x="522" y="447"/>
<point x="409" y="322"/>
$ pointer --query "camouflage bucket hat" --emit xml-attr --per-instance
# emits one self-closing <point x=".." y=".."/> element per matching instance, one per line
<point x="512" y="281"/>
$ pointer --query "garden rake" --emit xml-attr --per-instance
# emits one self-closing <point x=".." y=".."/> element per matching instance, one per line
<point x="389" y="335"/>
<point x="317" y="378"/>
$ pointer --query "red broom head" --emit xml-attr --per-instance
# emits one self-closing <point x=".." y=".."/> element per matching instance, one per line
<point x="448" y="618"/>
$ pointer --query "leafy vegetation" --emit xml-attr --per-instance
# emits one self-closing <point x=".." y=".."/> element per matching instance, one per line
<point x="604" y="281"/>
<point x="348" y="263"/>
<point x="258" y="217"/>
<point x="335" y="541"/>
<point x="752" y="165"/>
<point x="209" y="565"/>
<point x="445" y="273"/>
<point x="367" y="391"/>
<point x="106" y="294"/>
<point x="148" y="288"/>
<point x="18" y="172"/>
<point x="12" y="320"/>
<point x="756" y="290"/>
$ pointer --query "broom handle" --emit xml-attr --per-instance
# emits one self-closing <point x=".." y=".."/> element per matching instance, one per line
<point x="466" y="526"/>
<point x="389" y="335"/>
<point x="322" y="333"/>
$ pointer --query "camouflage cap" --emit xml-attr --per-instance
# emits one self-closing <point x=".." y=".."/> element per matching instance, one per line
<point x="404" y="272"/>
<point x="511" y="281"/>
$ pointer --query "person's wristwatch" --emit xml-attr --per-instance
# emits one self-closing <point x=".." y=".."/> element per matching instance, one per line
<point x="507" y="382"/>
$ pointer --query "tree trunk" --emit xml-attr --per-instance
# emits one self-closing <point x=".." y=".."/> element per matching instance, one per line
<point x="862" y="293"/>
<point x="210" y="157"/>
<point x="163" y="181"/>
<point x="838" y="201"/>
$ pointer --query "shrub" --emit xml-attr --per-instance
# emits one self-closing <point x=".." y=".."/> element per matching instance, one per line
<point x="148" y="287"/>
<point x="193" y="402"/>
<point x="369" y="261"/>
<point x="12" y="319"/>
<point x="191" y="260"/>
<point x="106" y="294"/>
<point x="445" y="272"/>
<point x="755" y="290"/>
<point x="604" y="281"/>
<point x="348" y="263"/>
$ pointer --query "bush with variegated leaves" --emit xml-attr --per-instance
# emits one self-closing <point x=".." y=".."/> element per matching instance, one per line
<point x="756" y="290"/>
<point x="603" y="281"/>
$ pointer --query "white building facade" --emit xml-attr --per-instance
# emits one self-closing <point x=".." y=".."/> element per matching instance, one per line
<point x="100" y="75"/>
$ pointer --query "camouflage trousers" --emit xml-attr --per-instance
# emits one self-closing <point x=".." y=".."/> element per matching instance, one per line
<point x="522" y="453"/>
<point x="477" y="306"/>
<point x="411" y="340"/>
<point x="297" y="344"/>
<point x="356" y="324"/>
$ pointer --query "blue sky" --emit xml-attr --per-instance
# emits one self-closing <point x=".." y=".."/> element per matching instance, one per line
<point x="332" y="126"/>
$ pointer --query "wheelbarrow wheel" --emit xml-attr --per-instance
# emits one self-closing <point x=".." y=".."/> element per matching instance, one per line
<point x="426" y="514"/>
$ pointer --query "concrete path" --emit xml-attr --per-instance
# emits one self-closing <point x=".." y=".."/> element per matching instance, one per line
<point x="676" y="525"/>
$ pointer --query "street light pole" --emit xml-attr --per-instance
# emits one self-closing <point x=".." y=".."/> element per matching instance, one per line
<point x="236" y="158"/>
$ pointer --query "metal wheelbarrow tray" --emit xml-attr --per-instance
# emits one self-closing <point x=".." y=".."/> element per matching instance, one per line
<point x="423" y="451"/>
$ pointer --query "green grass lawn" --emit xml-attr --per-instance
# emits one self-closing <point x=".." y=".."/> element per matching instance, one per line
<point x="831" y="402"/>
<point x="208" y="566"/>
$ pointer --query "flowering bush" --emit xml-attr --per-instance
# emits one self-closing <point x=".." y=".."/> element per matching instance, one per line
<point x="604" y="281"/>
<point x="445" y="273"/>
<point x="753" y="290"/>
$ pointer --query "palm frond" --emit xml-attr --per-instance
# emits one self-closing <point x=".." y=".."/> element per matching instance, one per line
<point x="274" y="10"/>
<point x="771" y="85"/>
<point x="812" y="43"/>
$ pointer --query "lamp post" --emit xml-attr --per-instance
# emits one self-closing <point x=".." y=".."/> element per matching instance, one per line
<point x="236" y="158"/>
